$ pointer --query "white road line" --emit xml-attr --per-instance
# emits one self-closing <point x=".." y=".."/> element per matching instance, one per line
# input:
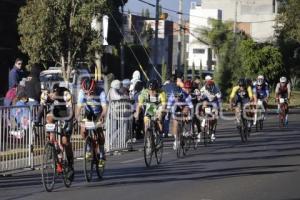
<point x="138" y="159"/>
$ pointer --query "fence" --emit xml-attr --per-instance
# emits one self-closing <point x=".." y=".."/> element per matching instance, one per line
<point x="21" y="146"/>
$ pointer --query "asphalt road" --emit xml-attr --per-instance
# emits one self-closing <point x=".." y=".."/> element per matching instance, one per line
<point x="268" y="167"/>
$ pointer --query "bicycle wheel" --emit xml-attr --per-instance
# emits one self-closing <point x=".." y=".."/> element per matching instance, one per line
<point x="241" y="132"/>
<point x="68" y="173"/>
<point x="49" y="167"/>
<point x="88" y="159"/>
<point x="179" y="146"/>
<point x="148" y="147"/>
<point x="245" y="131"/>
<point x="99" y="169"/>
<point x="206" y="133"/>
<point x="261" y="124"/>
<point x="159" y="148"/>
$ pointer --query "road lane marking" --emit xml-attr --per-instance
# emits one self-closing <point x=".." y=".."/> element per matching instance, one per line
<point x="138" y="159"/>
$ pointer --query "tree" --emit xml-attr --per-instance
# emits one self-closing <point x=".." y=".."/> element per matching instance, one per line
<point x="288" y="35"/>
<point x="147" y="13"/>
<point x="60" y="31"/>
<point x="143" y="13"/>
<point x="260" y="59"/>
<point x="288" y="19"/>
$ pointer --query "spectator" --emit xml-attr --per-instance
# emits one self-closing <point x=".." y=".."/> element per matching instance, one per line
<point x="16" y="74"/>
<point x="10" y="96"/>
<point x="136" y="77"/>
<point x="138" y="124"/>
<point x="170" y="86"/>
<point x="33" y="85"/>
<point x="125" y="88"/>
<point x="114" y="91"/>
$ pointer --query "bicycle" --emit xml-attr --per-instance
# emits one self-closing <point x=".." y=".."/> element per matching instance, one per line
<point x="260" y="115"/>
<point x="243" y="126"/>
<point x="283" y="108"/>
<point x="91" y="142"/>
<point x="184" y="138"/>
<point x="54" y="155"/>
<point x="209" y="125"/>
<point x="153" y="143"/>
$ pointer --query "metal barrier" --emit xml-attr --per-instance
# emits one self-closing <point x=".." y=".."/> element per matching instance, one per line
<point x="21" y="146"/>
<point x="118" y="125"/>
<point x="15" y="138"/>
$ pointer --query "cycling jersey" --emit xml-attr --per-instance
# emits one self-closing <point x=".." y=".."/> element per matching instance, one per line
<point x="184" y="100"/>
<point x="283" y="91"/>
<point x="246" y="94"/>
<point x="93" y="103"/>
<point x="152" y="102"/>
<point x="260" y="93"/>
<point x="210" y="96"/>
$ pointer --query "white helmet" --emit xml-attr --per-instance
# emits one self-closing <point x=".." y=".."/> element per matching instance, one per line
<point x="208" y="77"/>
<point x="136" y="75"/>
<point x="115" y="84"/>
<point x="260" y="77"/>
<point x="283" y="80"/>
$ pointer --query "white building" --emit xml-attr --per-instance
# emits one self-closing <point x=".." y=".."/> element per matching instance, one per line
<point x="255" y="17"/>
<point x="199" y="52"/>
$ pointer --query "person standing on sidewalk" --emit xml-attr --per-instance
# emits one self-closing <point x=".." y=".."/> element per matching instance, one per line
<point x="16" y="74"/>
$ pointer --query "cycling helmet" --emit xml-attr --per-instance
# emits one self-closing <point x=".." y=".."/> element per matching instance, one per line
<point x="260" y="77"/>
<point x="283" y="80"/>
<point x="187" y="84"/>
<point x="208" y="77"/>
<point x="88" y="85"/>
<point x="115" y="84"/>
<point x="260" y="82"/>
<point x="153" y="85"/>
<point x="242" y="82"/>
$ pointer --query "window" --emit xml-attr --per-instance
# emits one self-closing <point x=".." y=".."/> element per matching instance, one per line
<point x="199" y="51"/>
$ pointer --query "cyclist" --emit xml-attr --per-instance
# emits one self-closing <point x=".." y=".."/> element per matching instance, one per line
<point x="92" y="99"/>
<point x="180" y="105"/>
<point x="211" y="95"/>
<point x="283" y="90"/>
<point x="60" y="102"/>
<point x="261" y="92"/>
<point x="154" y="100"/>
<point x="241" y="95"/>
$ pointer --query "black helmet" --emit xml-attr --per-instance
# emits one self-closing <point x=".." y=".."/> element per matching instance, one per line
<point x="242" y="82"/>
<point x="153" y="85"/>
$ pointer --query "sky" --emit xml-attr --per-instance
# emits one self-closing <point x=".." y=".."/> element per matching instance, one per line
<point x="136" y="6"/>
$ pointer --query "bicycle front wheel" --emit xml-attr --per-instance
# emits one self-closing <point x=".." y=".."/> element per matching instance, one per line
<point x="88" y="159"/>
<point x="159" y="148"/>
<point x="148" y="147"/>
<point x="49" y="167"/>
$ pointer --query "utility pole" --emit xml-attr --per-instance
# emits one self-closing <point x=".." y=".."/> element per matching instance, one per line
<point x="122" y="45"/>
<point x="235" y="18"/>
<point x="156" y="38"/>
<point x="179" y="41"/>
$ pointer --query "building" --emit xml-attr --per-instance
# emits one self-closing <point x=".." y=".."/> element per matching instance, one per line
<point x="255" y="17"/>
<point x="133" y="28"/>
<point x="200" y="53"/>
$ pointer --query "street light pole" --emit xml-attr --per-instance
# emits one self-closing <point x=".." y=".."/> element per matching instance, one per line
<point x="122" y="45"/>
<point x="179" y="41"/>
<point x="156" y="38"/>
